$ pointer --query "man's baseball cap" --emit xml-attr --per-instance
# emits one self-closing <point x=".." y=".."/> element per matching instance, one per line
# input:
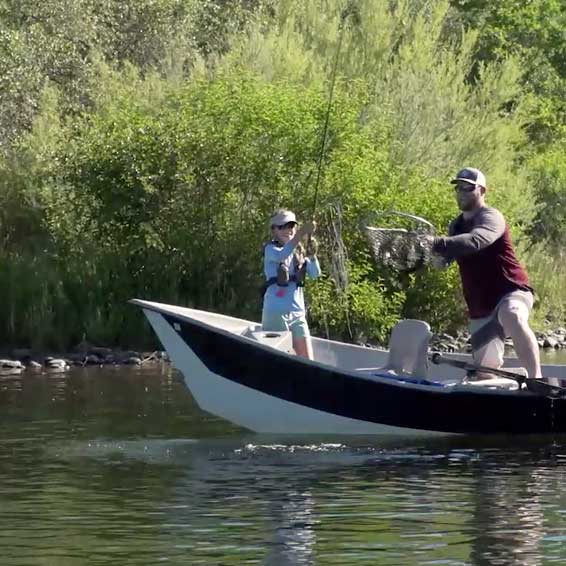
<point x="282" y="217"/>
<point x="470" y="175"/>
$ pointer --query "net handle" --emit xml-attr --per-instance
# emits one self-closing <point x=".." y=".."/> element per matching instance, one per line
<point x="413" y="217"/>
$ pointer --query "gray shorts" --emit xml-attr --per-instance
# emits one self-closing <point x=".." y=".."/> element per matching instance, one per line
<point x="488" y="333"/>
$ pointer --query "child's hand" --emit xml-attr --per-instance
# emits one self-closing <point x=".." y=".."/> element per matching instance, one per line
<point x="312" y="247"/>
<point x="307" y="228"/>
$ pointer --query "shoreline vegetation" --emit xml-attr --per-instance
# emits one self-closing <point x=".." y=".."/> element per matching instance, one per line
<point x="144" y="143"/>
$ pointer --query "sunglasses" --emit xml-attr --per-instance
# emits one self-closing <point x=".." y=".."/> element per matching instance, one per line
<point x="464" y="187"/>
<point x="288" y="225"/>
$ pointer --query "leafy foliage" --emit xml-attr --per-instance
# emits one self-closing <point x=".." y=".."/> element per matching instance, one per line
<point x="145" y="143"/>
<point x="548" y="177"/>
<point x="533" y="31"/>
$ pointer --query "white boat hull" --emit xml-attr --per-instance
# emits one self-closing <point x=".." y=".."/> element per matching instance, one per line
<point x="268" y="390"/>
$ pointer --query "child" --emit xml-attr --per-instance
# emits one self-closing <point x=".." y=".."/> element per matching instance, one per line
<point x="285" y="265"/>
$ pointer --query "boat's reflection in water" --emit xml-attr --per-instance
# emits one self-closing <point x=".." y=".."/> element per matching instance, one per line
<point x="509" y="514"/>
<point x="293" y="526"/>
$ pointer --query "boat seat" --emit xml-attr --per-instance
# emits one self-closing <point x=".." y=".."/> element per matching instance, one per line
<point x="408" y="350"/>
<point x="279" y="340"/>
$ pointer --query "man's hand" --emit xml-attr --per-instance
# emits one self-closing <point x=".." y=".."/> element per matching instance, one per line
<point x="427" y="241"/>
<point x="439" y="262"/>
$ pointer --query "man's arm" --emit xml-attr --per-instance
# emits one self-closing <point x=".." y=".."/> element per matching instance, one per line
<point x="489" y="226"/>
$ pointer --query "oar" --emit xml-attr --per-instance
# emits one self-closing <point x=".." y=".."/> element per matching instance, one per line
<point x="538" y="386"/>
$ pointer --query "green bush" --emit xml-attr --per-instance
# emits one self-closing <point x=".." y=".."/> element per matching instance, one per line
<point x="159" y="183"/>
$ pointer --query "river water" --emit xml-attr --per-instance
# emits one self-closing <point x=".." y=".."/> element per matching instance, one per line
<point x="119" y="467"/>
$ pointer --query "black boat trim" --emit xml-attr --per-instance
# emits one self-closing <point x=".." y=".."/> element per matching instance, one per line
<point x="343" y="394"/>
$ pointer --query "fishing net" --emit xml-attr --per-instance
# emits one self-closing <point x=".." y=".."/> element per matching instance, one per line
<point x="338" y="268"/>
<point x="336" y="261"/>
<point x="402" y="249"/>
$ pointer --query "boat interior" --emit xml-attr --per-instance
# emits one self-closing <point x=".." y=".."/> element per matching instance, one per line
<point x="407" y="358"/>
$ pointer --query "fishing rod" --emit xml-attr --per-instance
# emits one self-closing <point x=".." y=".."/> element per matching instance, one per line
<point x="347" y="11"/>
<point x="338" y="256"/>
<point x="397" y="248"/>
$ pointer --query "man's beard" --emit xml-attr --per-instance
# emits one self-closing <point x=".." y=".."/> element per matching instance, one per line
<point x="466" y="205"/>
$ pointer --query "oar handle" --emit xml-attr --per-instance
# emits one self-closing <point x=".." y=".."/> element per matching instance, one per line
<point x="438" y="359"/>
<point x="537" y="386"/>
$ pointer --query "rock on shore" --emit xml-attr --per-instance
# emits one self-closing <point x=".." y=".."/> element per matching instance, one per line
<point x="25" y="359"/>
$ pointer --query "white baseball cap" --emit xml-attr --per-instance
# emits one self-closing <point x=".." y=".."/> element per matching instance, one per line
<point x="470" y="175"/>
<point x="283" y="217"/>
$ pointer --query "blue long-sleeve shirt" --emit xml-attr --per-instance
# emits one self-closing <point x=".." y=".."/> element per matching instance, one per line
<point x="288" y="299"/>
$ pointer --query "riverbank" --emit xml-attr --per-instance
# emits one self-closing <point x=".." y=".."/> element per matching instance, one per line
<point x="20" y="359"/>
<point x="550" y="340"/>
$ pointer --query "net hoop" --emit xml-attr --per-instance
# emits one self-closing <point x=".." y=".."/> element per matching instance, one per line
<point x="400" y="248"/>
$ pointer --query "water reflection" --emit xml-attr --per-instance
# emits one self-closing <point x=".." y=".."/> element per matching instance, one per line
<point x="114" y="467"/>
<point x="293" y="521"/>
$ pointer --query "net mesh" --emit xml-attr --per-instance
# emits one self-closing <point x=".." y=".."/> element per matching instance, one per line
<point x="401" y="249"/>
<point x="338" y="254"/>
<point x="338" y="264"/>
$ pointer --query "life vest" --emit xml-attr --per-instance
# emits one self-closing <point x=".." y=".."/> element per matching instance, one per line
<point x="282" y="279"/>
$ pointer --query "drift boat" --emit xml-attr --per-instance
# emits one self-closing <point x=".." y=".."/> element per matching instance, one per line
<point x="251" y="378"/>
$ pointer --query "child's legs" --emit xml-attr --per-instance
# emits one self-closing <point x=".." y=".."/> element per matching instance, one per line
<point x="302" y="343"/>
<point x="303" y="347"/>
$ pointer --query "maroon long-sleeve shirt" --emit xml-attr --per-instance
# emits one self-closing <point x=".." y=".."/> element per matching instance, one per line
<point x="489" y="268"/>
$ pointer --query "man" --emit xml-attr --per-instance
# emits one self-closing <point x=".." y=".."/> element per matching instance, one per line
<point x="495" y="285"/>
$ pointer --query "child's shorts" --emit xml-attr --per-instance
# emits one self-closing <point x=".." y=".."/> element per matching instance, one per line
<point x="296" y="323"/>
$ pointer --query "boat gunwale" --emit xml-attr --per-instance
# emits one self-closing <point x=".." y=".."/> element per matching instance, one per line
<point x="444" y="389"/>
